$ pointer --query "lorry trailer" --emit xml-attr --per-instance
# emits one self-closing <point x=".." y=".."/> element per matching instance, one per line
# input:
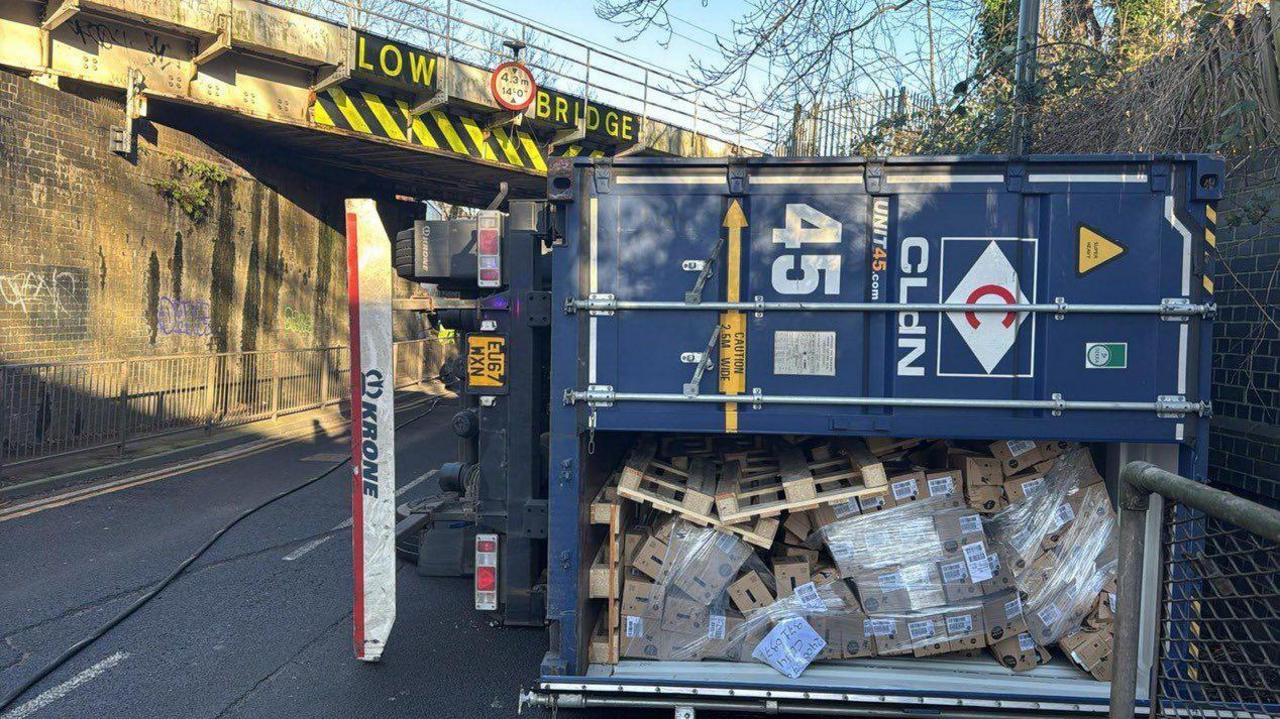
<point x="765" y="302"/>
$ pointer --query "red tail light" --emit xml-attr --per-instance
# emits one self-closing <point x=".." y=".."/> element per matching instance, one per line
<point x="486" y="579"/>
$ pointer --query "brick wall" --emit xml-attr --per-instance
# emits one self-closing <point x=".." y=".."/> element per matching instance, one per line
<point x="1245" y="435"/>
<point x="96" y="262"/>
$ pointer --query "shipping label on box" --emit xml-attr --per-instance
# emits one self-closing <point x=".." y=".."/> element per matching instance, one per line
<point x="928" y="635"/>
<point x="1003" y="616"/>
<point x="905" y="488"/>
<point x="883" y="590"/>
<point x="889" y="634"/>
<point x="1021" y="487"/>
<point x="965" y="629"/>
<point x="1016" y="455"/>
<point x="955" y="581"/>
<point x="1018" y="652"/>
<point x="944" y="484"/>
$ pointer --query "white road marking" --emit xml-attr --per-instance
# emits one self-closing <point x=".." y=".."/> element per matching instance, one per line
<point x="50" y="696"/>
<point x="344" y="524"/>
<point x="300" y="551"/>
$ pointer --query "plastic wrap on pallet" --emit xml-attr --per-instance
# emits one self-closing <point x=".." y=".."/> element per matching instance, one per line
<point x="939" y="630"/>
<point x="1060" y="543"/>
<point x="702" y="561"/>
<point x="922" y="554"/>
<point x="792" y="632"/>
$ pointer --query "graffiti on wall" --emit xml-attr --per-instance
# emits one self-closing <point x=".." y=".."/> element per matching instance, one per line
<point x="298" y="322"/>
<point x="51" y="299"/>
<point x="189" y="318"/>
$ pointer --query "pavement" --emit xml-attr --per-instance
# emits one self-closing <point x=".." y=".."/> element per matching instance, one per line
<point x="261" y="625"/>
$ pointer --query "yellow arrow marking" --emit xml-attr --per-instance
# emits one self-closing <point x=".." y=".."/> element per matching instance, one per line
<point x="733" y="324"/>
<point x="1095" y="250"/>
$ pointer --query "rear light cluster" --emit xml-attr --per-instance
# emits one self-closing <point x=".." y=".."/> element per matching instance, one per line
<point x="487" y="572"/>
<point x="488" y="249"/>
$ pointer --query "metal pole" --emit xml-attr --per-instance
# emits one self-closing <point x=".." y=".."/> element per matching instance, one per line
<point x="5" y="407"/>
<point x="1133" y="524"/>
<point x="122" y="407"/>
<point x="1024" y="75"/>
<point x="210" y="376"/>
<point x="275" y="386"/>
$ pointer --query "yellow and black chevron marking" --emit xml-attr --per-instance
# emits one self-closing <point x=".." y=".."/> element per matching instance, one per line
<point x="361" y="111"/>
<point x="1210" y="227"/>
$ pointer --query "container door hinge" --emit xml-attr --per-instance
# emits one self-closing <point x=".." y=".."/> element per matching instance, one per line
<point x="603" y="175"/>
<point x="599" y="395"/>
<point x="873" y="178"/>
<point x="1159" y="177"/>
<point x="737" y="178"/>
<point x="1015" y="177"/>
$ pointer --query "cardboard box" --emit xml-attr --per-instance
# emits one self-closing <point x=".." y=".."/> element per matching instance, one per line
<point x="956" y="583"/>
<point x="824" y="574"/>
<point x="682" y="614"/>
<point x="883" y="590"/>
<point x="888" y="635"/>
<point x="987" y="499"/>
<point x="1022" y="486"/>
<point x="799" y="524"/>
<point x="944" y="484"/>
<point x="887" y="445"/>
<point x="851" y="631"/>
<point x="789" y="573"/>
<point x="1054" y="449"/>
<point x="643" y="638"/>
<point x="1016" y="455"/>
<point x="905" y="488"/>
<point x="720" y="627"/>
<point x="1018" y="652"/>
<point x="928" y="635"/>
<point x="873" y="502"/>
<point x="978" y="471"/>
<point x="1002" y="617"/>
<point x="1087" y="648"/>
<point x="641" y="597"/>
<point x="650" y="556"/>
<point x="965" y="629"/>
<point x="750" y="592"/>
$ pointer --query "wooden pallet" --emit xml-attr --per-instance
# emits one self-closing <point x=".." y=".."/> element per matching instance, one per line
<point x="800" y="485"/>
<point x="616" y="545"/>
<point x="872" y="468"/>
<point x="601" y="508"/>
<point x="759" y="532"/>
<point x="688" y="493"/>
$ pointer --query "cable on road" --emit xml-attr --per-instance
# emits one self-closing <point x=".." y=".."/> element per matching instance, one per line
<point x="80" y="646"/>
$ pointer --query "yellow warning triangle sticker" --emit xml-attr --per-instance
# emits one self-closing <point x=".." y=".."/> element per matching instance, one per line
<point x="1096" y="250"/>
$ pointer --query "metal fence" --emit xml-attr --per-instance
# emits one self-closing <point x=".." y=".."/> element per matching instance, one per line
<point x="52" y="409"/>
<point x="857" y="126"/>
<point x="1218" y="650"/>
<point x="474" y="32"/>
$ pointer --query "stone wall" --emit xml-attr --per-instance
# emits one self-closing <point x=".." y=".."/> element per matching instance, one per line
<point x="181" y="247"/>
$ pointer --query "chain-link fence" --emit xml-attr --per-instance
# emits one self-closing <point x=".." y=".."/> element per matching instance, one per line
<point x="56" y="408"/>
<point x="1220" y="629"/>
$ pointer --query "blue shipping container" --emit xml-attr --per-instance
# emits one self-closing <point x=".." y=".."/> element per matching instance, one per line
<point x="972" y="297"/>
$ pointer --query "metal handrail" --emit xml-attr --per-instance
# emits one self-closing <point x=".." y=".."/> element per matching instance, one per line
<point x="1138" y="481"/>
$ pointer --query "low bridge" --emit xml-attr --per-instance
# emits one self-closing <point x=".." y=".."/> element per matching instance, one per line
<point x="401" y="94"/>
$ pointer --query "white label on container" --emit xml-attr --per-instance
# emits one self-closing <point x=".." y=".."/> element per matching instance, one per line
<point x="1111" y="600"/>
<point x="878" y="627"/>
<point x="904" y="489"/>
<point x="993" y="561"/>
<point x="891" y="582"/>
<point x="975" y="555"/>
<point x="846" y="509"/>
<point x="959" y="625"/>
<point x="809" y="599"/>
<point x="635" y="626"/>
<point x="1026" y="643"/>
<point x="715" y="626"/>
<point x="1019" y="447"/>
<point x="1050" y="615"/>
<point x="941" y="486"/>
<point x="971" y="524"/>
<point x="1032" y="486"/>
<point x="1013" y="608"/>
<point x="922" y="629"/>
<point x="1063" y="514"/>
<point x="953" y="572"/>
<point x="871" y="503"/>
<point x="804" y="353"/>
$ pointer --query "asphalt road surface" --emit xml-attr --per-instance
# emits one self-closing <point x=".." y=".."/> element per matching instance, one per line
<point x="260" y="626"/>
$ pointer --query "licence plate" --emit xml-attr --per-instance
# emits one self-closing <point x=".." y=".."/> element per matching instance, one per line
<point x="486" y="362"/>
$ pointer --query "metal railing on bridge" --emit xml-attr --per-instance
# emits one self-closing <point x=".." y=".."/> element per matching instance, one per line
<point x="57" y="408"/>
<point x="474" y="33"/>
<point x="1218" y="640"/>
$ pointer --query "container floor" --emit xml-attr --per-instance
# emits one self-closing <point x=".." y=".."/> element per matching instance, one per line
<point x="947" y="681"/>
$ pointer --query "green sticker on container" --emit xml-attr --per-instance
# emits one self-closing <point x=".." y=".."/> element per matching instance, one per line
<point x="1106" y="355"/>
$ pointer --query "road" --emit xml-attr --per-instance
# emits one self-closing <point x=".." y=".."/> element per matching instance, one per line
<point x="260" y="626"/>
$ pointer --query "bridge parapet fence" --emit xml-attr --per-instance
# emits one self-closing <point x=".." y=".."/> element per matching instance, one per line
<point x="1218" y="637"/>
<point x="58" y="408"/>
